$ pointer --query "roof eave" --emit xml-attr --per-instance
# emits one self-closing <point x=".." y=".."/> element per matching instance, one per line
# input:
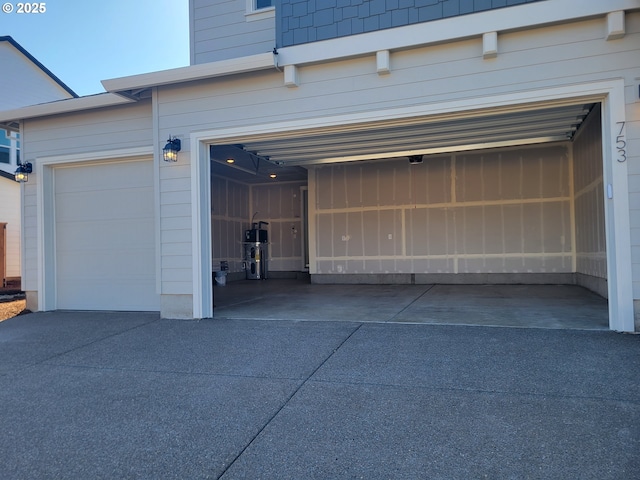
<point x="63" y="106"/>
<point x="128" y="89"/>
<point x="6" y="175"/>
<point x="262" y="61"/>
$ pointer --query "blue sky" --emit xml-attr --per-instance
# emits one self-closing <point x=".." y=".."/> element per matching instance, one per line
<point x="85" y="41"/>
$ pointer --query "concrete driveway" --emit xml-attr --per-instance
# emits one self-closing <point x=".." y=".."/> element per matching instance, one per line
<point x="126" y="395"/>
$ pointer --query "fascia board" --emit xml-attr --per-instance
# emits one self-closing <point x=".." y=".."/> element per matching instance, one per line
<point x="232" y="66"/>
<point x="451" y="29"/>
<point x="63" y="106"/>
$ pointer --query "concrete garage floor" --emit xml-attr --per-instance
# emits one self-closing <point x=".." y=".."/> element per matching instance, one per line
<point x="539" y="306"/>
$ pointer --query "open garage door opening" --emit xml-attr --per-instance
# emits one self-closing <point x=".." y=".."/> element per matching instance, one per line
<point x="249" y="193"/>
<point x="500" y="209"/>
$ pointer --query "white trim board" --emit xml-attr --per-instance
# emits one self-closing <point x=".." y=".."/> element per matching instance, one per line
<point x="201" y="230"/>
<point x="610" y="92"/>
<point x="528" y="100"/>
<point x="124" y="154"/>
<point x="617" y="220"/>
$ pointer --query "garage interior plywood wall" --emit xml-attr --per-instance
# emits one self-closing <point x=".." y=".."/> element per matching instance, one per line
<point x="591" y="254"/>
<point x="279" y="204"/>
<point x="495" y="211"/>
<point x="229" y="218"/>
<point x="235" y="205"/>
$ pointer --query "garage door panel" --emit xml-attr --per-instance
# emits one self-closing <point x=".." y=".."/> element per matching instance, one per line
<point x="123" y="296"/>
<point x="98" y="235"/>
<point x="131" y="203"/>
<point x="105" y="176"/>
<point x="105" y="237"/>
<point x="90" y="264"/>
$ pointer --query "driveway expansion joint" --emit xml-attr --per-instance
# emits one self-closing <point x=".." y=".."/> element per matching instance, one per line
<point x="93" y="342"/>
<point x="287" y="400"/>
<point x="406" y="307"/>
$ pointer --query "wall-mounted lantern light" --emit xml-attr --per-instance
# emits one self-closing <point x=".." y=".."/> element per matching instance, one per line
<point x="171" y="149"/>
<point x="23" y="171"/>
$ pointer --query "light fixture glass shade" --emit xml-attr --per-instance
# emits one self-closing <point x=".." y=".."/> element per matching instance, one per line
<point x="22" y="172"/>
<point x="171" y="149"/>
<point x="21" y="176"/>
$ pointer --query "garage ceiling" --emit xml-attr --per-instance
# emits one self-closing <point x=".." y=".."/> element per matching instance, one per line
<point x="250" y="168"/>
<point x="284" y="153"/>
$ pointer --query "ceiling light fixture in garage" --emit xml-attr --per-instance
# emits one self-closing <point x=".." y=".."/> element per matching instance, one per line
<point x="235" y="162"/>
<point x="239" y="158"/>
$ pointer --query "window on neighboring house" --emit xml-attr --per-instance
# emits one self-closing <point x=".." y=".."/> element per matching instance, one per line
<point x="263" y="4"/>
<point x="4" y="154"/>
<point x="5" y="148"/>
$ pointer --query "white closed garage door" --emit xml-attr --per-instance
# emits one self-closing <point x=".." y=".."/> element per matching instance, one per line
<point x="104" y="237"/>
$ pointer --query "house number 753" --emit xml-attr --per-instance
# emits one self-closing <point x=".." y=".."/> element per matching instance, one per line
<point x="621" y="144"/>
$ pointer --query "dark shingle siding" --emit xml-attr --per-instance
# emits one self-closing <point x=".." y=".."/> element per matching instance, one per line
<point x="325" y="19"/>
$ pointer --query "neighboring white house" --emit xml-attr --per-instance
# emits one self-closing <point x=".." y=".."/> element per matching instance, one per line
<point x="413" y="142"/>
<point x="24" y="81"/>
<point x="10" y="215"/>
